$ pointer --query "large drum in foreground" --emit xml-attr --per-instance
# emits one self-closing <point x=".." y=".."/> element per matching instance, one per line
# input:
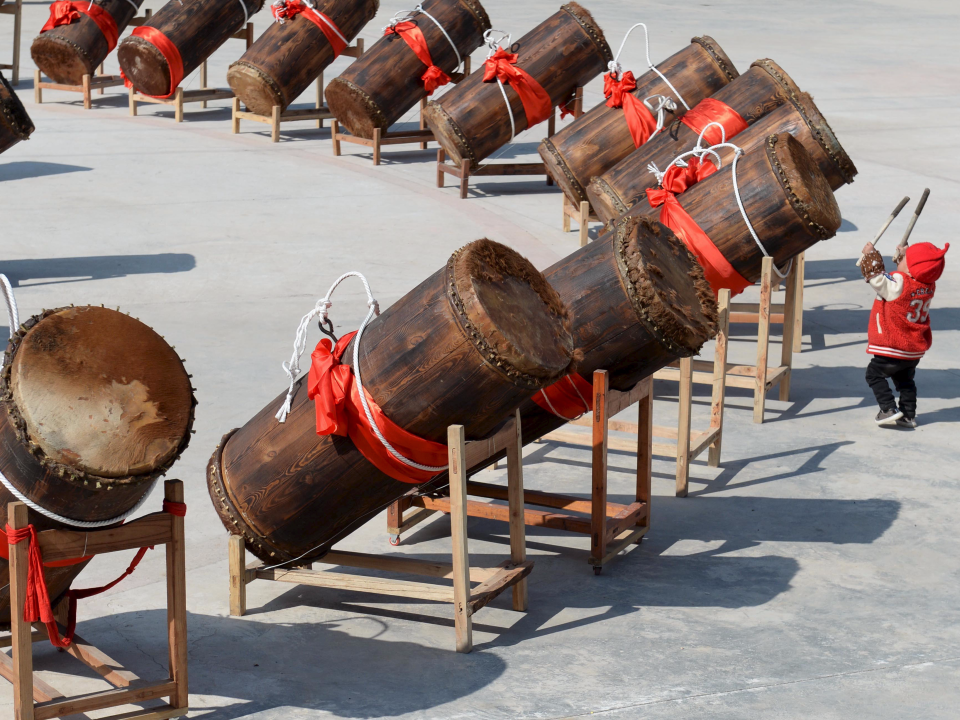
<point x="801" y="119"/>
<point x="379" y="88"/>
<point x="83" y="39"/>
<point x="177" y="39"/>
<point x="15" y="124"/>
<point x="466" y="346"/>
<point x="96" y="406"/>
<point x="564" y="52"/>
<point x="600" y="138"/>
<point x="785" y="195"/>
<point x="291" y="54"/>
<point x="753" y="95"/>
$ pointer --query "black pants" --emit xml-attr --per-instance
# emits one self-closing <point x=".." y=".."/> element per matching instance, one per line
<point x="902" y="372"/>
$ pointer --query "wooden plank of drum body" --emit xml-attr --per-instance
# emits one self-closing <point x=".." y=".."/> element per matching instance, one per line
<point x="785" y="195"/>
<point x="467" y="345"/>
<point x="287" y="58"/>
<point x="753" y="95"/>
<point x="562" y="53"/>
<point x="600" y="138"/>
<point x="196" y="27"/>
<point x="380" y="87"/>
<point x="15" y="124"/>
<point x="68" y="52"/>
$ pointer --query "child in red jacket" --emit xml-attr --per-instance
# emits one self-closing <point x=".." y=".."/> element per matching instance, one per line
<point x="899" y="332"/>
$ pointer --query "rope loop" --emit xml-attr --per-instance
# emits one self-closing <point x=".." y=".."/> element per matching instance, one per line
<point x="13" y="313"/>
<point x="614" y="65"/>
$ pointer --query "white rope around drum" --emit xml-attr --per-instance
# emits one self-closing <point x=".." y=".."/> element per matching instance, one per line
<point x="409" y="15"/>
<point x="292" y="369"/>
<point x="13" y="314"/>
<point x="546" y="399"/>
<point x="494" y="44"/>
<point x="615" y="67"/>
<point x="325" y="20"/>
<point x="246" y="13"/>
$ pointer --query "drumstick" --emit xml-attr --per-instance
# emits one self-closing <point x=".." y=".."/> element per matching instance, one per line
<point x="913" y="221"/>
<point x="896" y="211"/>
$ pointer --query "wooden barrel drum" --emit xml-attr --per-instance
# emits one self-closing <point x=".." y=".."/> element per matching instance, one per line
<point x="379" y="88"/>
<point x="753" y="95"/>
<point x="564" y="52"/>
<point x="194" y="28"/>
<point x="289" y="56"/>
<point x="68" y="52"/>
<point x="96" y="406"/>
<point x="600" y="138"/>
<point x="15" y="124"/>
<point x="467" y="346"/>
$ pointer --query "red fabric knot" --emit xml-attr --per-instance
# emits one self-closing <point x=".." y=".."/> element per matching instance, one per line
<point x="412" y="35"/>
<point x="64" y="12"/>
<point x="502" y="66"/>
<point x="339" y="411"/>
<point x="679" y="179"/>
<point x="291" y="8"/>
<point x="640" y="121"/>
<point x="615" y="89"/>
<point x="709" y="111"/>
<point x="568" y="398"/>
<point x="175" y="508"/>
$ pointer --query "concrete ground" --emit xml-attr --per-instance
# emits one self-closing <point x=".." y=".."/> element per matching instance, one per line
<point x="814" y="574"/>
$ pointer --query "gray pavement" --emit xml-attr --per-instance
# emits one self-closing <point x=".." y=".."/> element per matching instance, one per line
<point x="815" y="573"/>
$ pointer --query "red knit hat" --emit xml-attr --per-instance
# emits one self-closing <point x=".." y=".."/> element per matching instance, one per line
<point x="925" y="261"/>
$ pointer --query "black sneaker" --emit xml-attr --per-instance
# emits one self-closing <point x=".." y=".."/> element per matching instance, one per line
<point x="907" y="422"/>
<point x="888" y="417"/>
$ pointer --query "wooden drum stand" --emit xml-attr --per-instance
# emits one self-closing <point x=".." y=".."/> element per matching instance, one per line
<point x="202" y="95"/>
<point x="399" y="137"/>
<point x="464" y="172"/>
<point x="90" y="82"/>
<point x="318" y="112"/>
<point x="33" y="699"/>
<point x="490" y="582"/>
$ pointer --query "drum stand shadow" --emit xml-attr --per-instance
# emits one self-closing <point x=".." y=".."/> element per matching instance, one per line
<point x="318" y="112"/>
<point x="34" y="699"/>
<point x="202" y="95"/>
<point x="398" y="137"/>
<point x="464" y="171"/>
<point x="15" y="9"/>
<point x="97" y="82"/>
<point x="490" y="582"/>
<point x="583" y="215"/>
<point x="612" y="527"/>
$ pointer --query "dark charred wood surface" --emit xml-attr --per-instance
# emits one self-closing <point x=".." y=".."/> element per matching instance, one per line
<point x="288" y="57"/>
<point x="600" y="138"/>
<point x="755" y="94"/>
<point x="68" y="52"/>
<point x="15" y="124"/>
<point x="197" y="28"/>
<point x="562" y="53"/>
<point x="379" y="88"/>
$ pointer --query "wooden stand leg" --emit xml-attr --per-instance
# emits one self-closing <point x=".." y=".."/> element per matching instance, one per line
<point x="423" y="121"/>
<point x="789" y="326"/>
<point x="37" y="90"/>
<point x="683" y="426"/>
<point x="377" y="133"/>
<point x="598" y="511"/>
<point x="584" y="223"/>
<point x="801" y="270"/>
<point x="275" y="124"/>
<point x="178" y="111"/>
<point x="177" y="600"/>
<point x="464" y="178"/>
<point x="763" y="340"/>
<point x="203" y="80"/>
<point x="456" y="441"/>
<point x="238" y="579"/>
<point x="133" y="103"/>
<point x="85" y="83"/>
<point x="566" y="215"/>
<point x="17" y="28"/>
<point x="518" y="535"/>
<point x="335" y="130"/>
<point x="100" y="70"/>
<point x="441" y="156"/>
<point x="719" y="376"/>
<point x="551" y="130"/>
<point x="235" y="121"/>
<point x="645" y="454"/>
<point x="22" y="642"/>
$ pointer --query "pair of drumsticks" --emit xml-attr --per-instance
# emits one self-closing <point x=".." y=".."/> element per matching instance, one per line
<point x="906" y="236"/>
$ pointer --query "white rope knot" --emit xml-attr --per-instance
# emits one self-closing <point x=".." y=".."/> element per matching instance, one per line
<point x="655" y="171"/>
<point x="614" y="65"/>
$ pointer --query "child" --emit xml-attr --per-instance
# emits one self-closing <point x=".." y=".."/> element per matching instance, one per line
<point x="899" y="332"/>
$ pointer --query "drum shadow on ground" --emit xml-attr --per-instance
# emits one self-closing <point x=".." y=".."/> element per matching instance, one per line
<point x="338" y="666"/>
<point x="24" y="169"/>
<point x="50" y="271"/>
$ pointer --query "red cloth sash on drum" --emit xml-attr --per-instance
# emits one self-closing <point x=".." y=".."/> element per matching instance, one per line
<point x="716" y="268"/>
<point x="340" y="412"/>
<point x="169" y="51"/>
<point x="37" y="605"/>
<point x="292" y="8"/>
<point x="711" y="110"/>
<point x="63" y="12"/>
<point x="412" y="35"/>
<point x="640" y="121"/>
<point x="568" y="398"/>
<point x="502" y="66"/>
